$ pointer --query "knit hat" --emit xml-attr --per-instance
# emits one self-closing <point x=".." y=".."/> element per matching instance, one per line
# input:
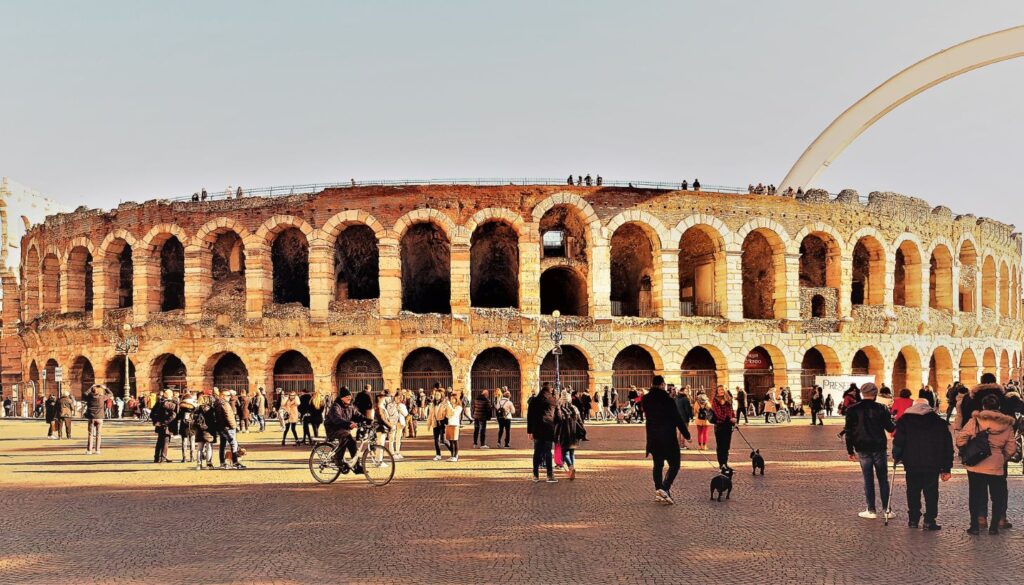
<point x="344" y="392"/>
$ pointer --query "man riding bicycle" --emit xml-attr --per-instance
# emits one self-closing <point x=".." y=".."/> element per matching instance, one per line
<point x="341" y="420"/>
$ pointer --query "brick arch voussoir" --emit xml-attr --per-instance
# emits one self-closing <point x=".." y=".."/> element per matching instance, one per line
<point x="651" y="344"/>
<point x="571" y="200"/>
<point x="500" y="214"/>
<point x="726" y="235"/>
<point x="585" y="346"/>
<point x="118" y="234"/>
<point x="209" y="231"/>
<point x="819" y="227"/>
<point x="453" y="232"/>
<point x="79" y="242"/>
<point x="764" y="223"/>
<point x="333" y="227"/>
<point x="150" y="240"/>
<point x="278" y="223"/>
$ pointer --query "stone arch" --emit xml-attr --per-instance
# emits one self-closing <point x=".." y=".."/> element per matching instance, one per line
<point x="496" y="367"/>
<point x="587" y="212"/>
<point x="906" y="370"/>
<point x="652" y="226"/>
<point x="967" y="259"/>
<point x="703" y="268"/>
<point x="703" y="366"/>
<point x="494" y="264"/>
<point x="868" y="361"/>
<point x="50" y="272"/>
<point x="220" y="246"/>
<point x="501" y="214"/>
<point x="426" y="264"/>
<point x="289" y="268"/>
<point x="868" y="271"/>
<point x="635" y="270"/>
<point x="79" y="270"/>
<point x="817" y="360"/>
<point x="763" y="262"/>
<point x="453" y="232"/>
<point x="354" y="237"/>
<point x="564" y="289"/>
<point x="115" y="381"/>
<point x="341" y="221"/>
<point x="1004" y="367"/>
<point x="821" y="250"/>
<point x="764" y="367"/>
<point x="907" y="268"/>
<point x="116" y="265"/>
<point x="940" y="278"/>
<point x="940" y="371"/>
<point x="356" y="368"/>
<point x="574" y="367"/>
<point x="652" y="345"/>
<point x="168" y="371"/>
<point x="1004" y="289"/>
<point x="968" y="368"/>
<point x="81" y="376"/>
<point x="426" y="366"/>
<point x="293" y="372"/>
<point x="989" y="284"/>
<point x="30" y="268"/>
<point x="633" y="366"/>
<point x="226" y="370"/>
<point x="989" y="365"/>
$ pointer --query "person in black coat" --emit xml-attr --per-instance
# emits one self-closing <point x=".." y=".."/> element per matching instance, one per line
<point x="925" y="447"/>
<point x="866" y="442"/>
<point x="541" y="420"/>
<point x="662" y="445"/>
<point x="50" y="407"/>
<point x="164" y="411"/>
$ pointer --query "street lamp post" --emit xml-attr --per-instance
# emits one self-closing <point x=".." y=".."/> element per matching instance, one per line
<point x="126" y="345"/>
<point x="556" y="338"/>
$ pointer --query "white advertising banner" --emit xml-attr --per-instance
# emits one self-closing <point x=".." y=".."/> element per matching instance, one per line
<point x="836" y="385"/>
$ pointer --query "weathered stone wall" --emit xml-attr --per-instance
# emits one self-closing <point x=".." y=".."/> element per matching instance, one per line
<point x="236" y="311"/>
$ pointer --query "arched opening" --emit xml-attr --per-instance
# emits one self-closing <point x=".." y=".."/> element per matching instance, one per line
<point x="633" y="366"/>
<point x="227" y="265"/>
<point x="425" y="367"/>
<point x="563" y="234"/>
<point x="172" y="275"/>
<point x="702" y="272"/>
<point x="968" y="368"/>
<point x="426" y="270"/>
<point x="494" y="266"/>
<point x="573" y="369"/>
<point x="868" y="362"/>
<point x="818" y="307"/>
<point x="358" y="368"/>
<point x="79" y="287"/>
<point x="33" y="377"/>
<point x="633" y="273"/>
<point x="940" y="279"/>
<point x="289" y="256"/>
<point x="968" y="276"/>
<point x="907" y="290"/>
<point x="30" y="283"/>
<point x="565" y="290"/>
<point x="989" y="284"/>
<point x="50" y="385"/>
<point x="168" y="372"/>
<point x="868" y="284"/>
<point x="293" y="372"/>
<point x="230" y="373"/>
<point x="906" y="371"/>
<point x="51" y="284"/>
<point x="700" y="370"/>
<point x="1004" y="290"/>
<point x="81" y="376"/>
<point x="940" y="372"/>
<point x="120" y="274"/>
<point x="988" y="365"/>
<point x="496" y="368"/>
<point x="356" y="264"/>
<point x="761" y="372"/>
<point x="819" y="261"/>
<point x="114" y="377"/>
<point x="764" y="276"/>
<point x="1004" y="367"/>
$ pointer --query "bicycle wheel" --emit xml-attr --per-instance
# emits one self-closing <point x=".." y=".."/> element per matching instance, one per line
<point x="378" y="465"/>
<point x="323" y="465"/>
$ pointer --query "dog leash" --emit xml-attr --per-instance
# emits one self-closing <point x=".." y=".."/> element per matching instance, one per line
<point x="713" y="466"/>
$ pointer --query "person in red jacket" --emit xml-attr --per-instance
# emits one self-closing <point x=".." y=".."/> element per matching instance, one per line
<point x="725" y="420"/>
<point x="901" y="404"/>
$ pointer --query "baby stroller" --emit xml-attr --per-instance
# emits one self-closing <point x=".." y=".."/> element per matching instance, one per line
<point x="625" y="414"/>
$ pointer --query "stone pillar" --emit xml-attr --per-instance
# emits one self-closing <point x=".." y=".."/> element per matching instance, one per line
<point x="198" y="280"/>
<point x="100" y="295"/>
<point x="601" y="280"/>
<point x="670" y="284"/>
<point x="460" y="278"/>
<point x="846" y="287"/>
<point x="390" y="277"/>
<point x="955" y="290"/>
<point x="529" y="271"/>
<point x="601" y="378"/>
<point x="145" y="285"/>
<point x="258" y="278"/>
<point x="321" y="281"/>
<point x="65" y="292"/>
<point x="925" y="291"/>
<point x="734" y="285"/>
<point x="791" y="294"/>
<point x="890" y="286"/>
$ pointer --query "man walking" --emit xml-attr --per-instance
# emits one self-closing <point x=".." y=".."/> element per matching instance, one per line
<point x="741" y="405"/>
<point x="227" y="432"/>
<point x="259" y="409"/>
<point x="662" y="445"/>
<point x="481" y="414"/>
<point x="541" y="419"/>
<point x="866" y="425"/>
<point x="925" y="447"/>
<point x="50" y="408"/>
<point x="164" y="411"/>
<point x="95" y="411"/>
<point x="65" y="412"/>
<point x="505" y="411"/>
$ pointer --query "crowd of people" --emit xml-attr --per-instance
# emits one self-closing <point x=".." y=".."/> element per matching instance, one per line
<point x="229" y="192"/>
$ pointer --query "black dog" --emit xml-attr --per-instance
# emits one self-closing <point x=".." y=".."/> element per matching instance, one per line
<point x="722" y="483"/>
<point x="757" y="461"/>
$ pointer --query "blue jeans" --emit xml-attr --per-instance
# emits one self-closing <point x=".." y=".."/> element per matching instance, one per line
<point x="876" y="462"/>
<point x="542" y="454"/>
<point x="569" y="455"/>
<point x="227" y="439"/>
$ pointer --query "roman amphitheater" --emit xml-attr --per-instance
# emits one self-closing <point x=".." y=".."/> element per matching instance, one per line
<point x="457" y="284"/>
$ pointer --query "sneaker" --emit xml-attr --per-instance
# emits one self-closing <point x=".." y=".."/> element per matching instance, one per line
<point x="973" y="531"/>
<point x="88" y="452"/>
<point x="931" y="526"/>
<point x="888" y="514"/>
<point x="1004" y="524"/>
<point x="238" y="466"/>
<point x="484" y="447"/>
<point x="914" y="524"/>
<point x="668" y="498"/>
<point x="454" y="459"/>
<point x="660" y="495"/>
<point x="994" y="529"/>
<point x="552" y="479"/>
<point x="98" y="451"/>
<point x="868" y="514"/>
<point x="474" y="445"/>
<point x="437" y="457"/>
<point x="536" y="479"/>
<point x="398" y="457"/>
<point x="572" y="473"/>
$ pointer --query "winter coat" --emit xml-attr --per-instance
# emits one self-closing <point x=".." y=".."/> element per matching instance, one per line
<point x="210" y="417"/>
<point x="899" y="406"/>
<point x="481" y="408"/>
<point x="927" y="395"/>
<point x="1000" y="438"/>
<point x="290" y="406"/>
<point x="1013" y="405"/>
<point x="866" y="424"/>
<point x="186" y="410"/>
<point x="684" y="407"/>
<point x="259" y="405"/>
<point x="662" y="421"/>
<point x="570" y="422"/>
<point x="817" y="404"/>
<point x="225" y="415"/>
<point x="972" y="402"/>
<point x="923" y="442"/>
<point x="65" y="407"/>
<point x="51" y="409"/>
<point x="702" y="403"/>
<point x="162" y="414"/>
<point x="542" y="416"/>
<point x="95" y="405"/>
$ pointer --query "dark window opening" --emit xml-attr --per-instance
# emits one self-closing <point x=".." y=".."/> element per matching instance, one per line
<point x="356" y="264"/>
<point x="632" y="264"/>
<point x="426" y="270"/>
<point x="290" y="257"/>
<point x="494" y="266"/>
<point x="172" y="275"/>
<point x="564" y="290"/>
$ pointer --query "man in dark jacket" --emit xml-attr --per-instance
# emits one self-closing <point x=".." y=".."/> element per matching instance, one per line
<point x="866" y="425"/>
<point x="95" y="410"/>
<point x="741" y="405"/>
<point x="972" y="400"/>
<point x="164" y="411"/>
<point x="50" y="407"/>
<point x="481" y="414"/>
<point x="685" y="408"/>
<point x="65" y="412"/>
<point x="227" y="422"/>
<point x="662" y="445"/>
<point x="541" y="419"/>
<point x="925" y="447"/>
<point x="342" y="418"/>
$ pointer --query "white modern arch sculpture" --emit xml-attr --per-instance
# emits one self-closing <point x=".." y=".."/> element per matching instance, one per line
<point x="931" y="71"/>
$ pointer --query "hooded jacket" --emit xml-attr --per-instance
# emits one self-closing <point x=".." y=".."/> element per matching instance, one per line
<point x="542" y="416"/>
<point x="662" y="421"/>
<point x="922" y="441"/>
<point x="95" y="405"/>
<point x="1000" y="438"/>
<point x="481" y="408"/>
<point x="866" y="423"/>
<point x="972" y="402"/>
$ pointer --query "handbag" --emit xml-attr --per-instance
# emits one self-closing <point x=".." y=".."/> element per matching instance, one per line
<point x="558" y="454"/>
<point x="977" y="449"/>
<point x="450" y="432"/>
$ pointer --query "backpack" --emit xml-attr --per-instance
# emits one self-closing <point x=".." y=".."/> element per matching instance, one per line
<point x="500" y="408"/>
<point x="703" y="413"/>
<point x="977" y="449"/>
<point x="199" y="425"/>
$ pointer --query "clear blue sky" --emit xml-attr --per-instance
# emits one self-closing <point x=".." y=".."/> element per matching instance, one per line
<point x="103" y="101"/>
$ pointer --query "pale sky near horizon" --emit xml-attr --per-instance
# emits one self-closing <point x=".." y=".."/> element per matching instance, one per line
<point x="108" y="101"/>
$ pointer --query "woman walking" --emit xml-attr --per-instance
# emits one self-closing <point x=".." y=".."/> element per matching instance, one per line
<point x="186" y="412"/>
<point x="569" y="432"/>
<point x="816" y="407"/>
<point x="702" y="412"/>
<point x="437" y="420"/>
<point x="289" y="415"/>
<point x="725" y="420"/>
<point x="988" y="476"/>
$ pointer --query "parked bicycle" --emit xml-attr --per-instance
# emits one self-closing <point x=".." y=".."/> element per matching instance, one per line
<point x="375" y="462"/>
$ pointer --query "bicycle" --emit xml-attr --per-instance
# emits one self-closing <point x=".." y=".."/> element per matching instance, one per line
<point x="374" y="461"/>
